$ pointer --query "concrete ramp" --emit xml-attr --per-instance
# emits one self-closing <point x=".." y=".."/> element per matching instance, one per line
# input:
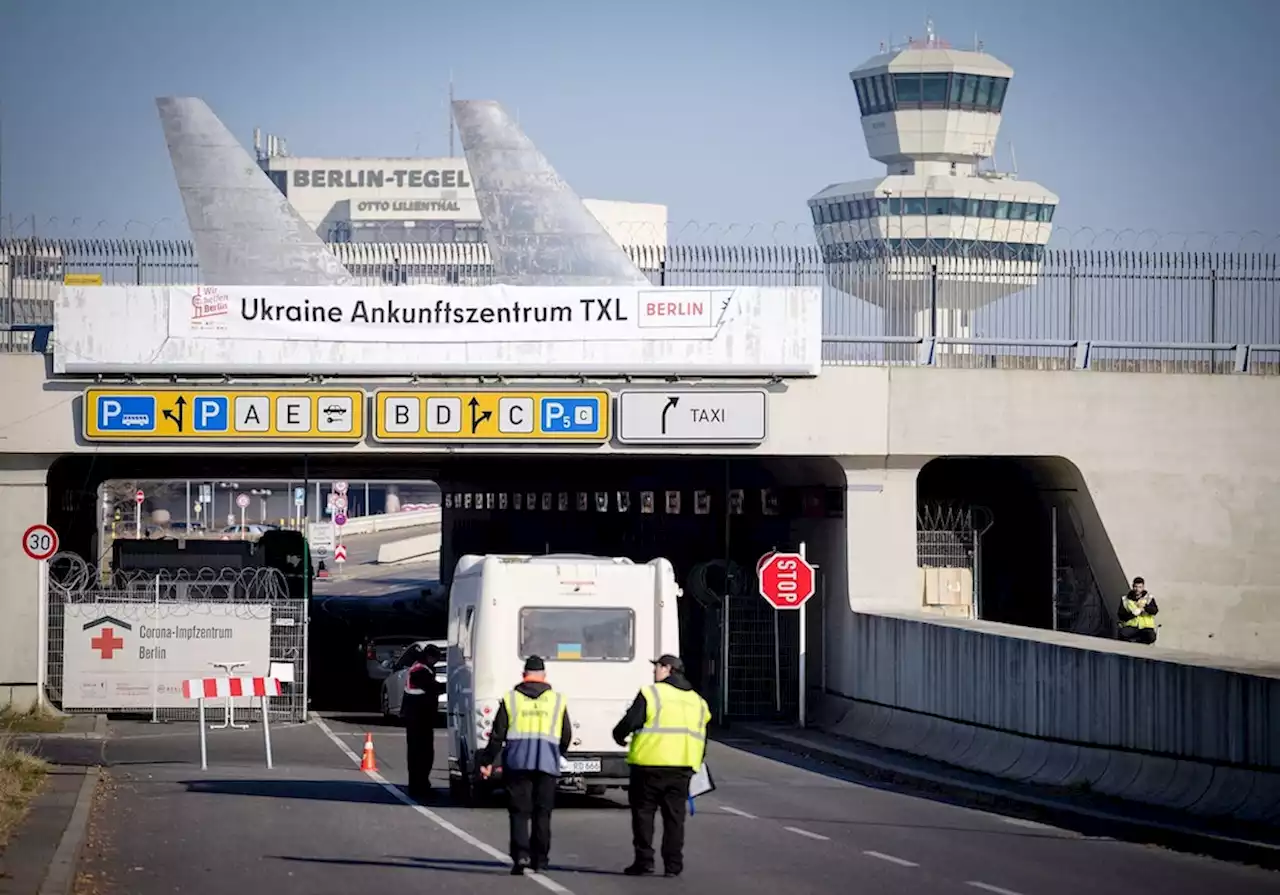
<point x="244" y="230"/>
<point x="539" y="232"/>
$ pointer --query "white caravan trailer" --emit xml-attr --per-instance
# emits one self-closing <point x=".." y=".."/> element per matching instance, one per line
<point x="596" y="621"/>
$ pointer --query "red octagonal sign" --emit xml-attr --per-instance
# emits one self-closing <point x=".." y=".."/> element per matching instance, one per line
<point x="787" y="580"/>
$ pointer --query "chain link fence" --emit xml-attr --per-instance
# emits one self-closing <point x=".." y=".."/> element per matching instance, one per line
<point x="203" y="594"/>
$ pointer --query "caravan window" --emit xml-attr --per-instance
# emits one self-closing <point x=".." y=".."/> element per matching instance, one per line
<point x="576" y="635"/>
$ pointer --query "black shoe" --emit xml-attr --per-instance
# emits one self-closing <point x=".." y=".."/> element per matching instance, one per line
<point x="537" y="866"/>
<point x="518" y="868"/>
<point x="638" y="869"/>
<point x="669" y="872"/>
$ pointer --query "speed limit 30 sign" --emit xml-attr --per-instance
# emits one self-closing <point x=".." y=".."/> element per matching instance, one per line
<point x="40" y="541"/>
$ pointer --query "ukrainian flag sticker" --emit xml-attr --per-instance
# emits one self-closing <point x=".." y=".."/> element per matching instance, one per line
<point x="568" y="650"/>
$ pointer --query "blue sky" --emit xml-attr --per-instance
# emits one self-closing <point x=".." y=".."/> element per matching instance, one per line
<point x="1141" y="114"/>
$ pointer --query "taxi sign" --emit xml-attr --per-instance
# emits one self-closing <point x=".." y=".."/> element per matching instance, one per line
<point x="82" y="279"/>
<point x="178" y="415"/>
<point x="479" y="416"/>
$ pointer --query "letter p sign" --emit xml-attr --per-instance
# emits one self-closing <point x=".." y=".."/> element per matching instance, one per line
<point x="570" y="415"/>
<point x="211" y="413"/>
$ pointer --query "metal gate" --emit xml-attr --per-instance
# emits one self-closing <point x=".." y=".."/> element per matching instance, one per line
<point x="72" y="580"/>
<point x="949" y="536"/>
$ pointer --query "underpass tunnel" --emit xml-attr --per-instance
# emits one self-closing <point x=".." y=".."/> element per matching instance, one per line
<point x="712" y="517"/>
<point x="1028" y="534"/>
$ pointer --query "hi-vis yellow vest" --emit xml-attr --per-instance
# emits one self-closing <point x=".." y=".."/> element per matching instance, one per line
<point x="675" y="729"/>
<point x="533" y="732"/>
<point x="1140" y="619"/>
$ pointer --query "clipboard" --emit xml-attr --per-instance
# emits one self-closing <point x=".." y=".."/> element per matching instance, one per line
<point x="701" y="782"/>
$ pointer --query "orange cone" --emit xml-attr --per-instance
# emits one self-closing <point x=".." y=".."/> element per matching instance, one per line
<point x="369" y="762"/>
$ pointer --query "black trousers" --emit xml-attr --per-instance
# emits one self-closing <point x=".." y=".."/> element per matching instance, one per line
<point x="530" y="797"/>
<point x="420" y="746"/>
<point x="1131" y="634"/>
<point x="664" y="790"/>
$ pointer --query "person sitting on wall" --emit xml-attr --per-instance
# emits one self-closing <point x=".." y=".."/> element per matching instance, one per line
<point x="1137" y="614"/>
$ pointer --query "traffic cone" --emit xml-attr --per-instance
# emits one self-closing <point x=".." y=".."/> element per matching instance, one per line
<point x="369" y="762"/>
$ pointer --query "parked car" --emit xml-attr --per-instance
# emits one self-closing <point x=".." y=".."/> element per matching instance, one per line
<point x="382" y="653"/>
<point x="397" y="678"/>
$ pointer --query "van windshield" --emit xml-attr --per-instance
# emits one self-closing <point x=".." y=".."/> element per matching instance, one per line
<point x="577" y="635"/>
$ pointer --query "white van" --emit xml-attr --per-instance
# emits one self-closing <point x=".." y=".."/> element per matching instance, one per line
<point x="596" y="621"/>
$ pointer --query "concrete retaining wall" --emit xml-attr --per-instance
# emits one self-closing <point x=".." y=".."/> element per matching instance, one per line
<point x="409" y="548"/>
<point x="1184" y="736"/>
<point x="391" y="521"/>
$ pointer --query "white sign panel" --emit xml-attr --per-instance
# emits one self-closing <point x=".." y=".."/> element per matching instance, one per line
<point x="416" y="314"/>
<point x="321" y="538"/>
<point x="443" y="330"/>
<point x="131" y="655"/>
<point x="692" y="416"/>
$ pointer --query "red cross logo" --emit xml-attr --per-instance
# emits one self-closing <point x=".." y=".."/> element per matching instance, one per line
<point x="107" y="643"/>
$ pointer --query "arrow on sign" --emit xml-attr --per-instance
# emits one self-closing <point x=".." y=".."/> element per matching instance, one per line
<point x="477" y="419"/>
<point x="671" y="402"/>
<point x="177" y="419"/>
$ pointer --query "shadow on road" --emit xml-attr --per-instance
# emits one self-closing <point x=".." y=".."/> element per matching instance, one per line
<point x="358" y="791"/>
<point x="452" y="865"/>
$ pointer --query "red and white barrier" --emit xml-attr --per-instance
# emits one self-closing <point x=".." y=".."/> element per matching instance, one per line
<point x="228" y="688"/>
<point x="216" y="687"/>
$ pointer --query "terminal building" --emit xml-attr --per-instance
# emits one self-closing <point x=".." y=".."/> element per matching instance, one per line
<point x="414" y="200"/>
<point x="931" y="114"/>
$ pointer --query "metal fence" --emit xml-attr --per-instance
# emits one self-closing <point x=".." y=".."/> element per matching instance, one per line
<point x="910" y="302"/>
<point x="74" y="581"/>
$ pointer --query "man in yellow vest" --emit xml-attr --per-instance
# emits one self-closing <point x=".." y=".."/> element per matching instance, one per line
<point x="1137" y="614"/>
<point x="668" y="728"/>
<point x="533" y="725"/>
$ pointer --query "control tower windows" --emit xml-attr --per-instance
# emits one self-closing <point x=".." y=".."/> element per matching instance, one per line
<point x="863" y="208"/>
<point x="878" y="94"/>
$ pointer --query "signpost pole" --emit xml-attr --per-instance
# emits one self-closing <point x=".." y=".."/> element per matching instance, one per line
<point x="155" y="670"/>
<point x="803" y="649"/>
<point x="266" y="729"/>
<point x="204" y="749"/>
<point x="137" y="520"/>
<point x="42" y="667"/>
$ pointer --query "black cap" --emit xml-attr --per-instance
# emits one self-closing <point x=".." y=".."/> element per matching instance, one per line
<point x="535" y="663"/>
<point x="1139" y="580"/>
<point x="672" y="662"/>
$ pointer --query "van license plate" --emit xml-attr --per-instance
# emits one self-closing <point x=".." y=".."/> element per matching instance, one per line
<point x="583" y="767"/>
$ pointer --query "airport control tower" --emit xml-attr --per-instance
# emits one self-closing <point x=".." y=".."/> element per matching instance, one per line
<point x="931" y="114"/>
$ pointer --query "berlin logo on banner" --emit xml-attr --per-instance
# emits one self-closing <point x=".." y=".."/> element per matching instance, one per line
<point x="448" y="314"/>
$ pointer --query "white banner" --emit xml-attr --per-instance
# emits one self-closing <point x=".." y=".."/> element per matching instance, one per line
<point x="117" y="655"/>
<point x="450" y="314"/>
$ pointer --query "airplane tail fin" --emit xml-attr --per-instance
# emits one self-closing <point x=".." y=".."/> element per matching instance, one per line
<point x="539" y="232"/>
<point x="244" y="230"/>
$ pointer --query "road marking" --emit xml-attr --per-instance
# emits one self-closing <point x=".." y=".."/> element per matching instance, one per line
<point x="800" y="832"/>
<point x="987" y="887"/>
<point x="901" y="862"/>
<point x="737" y="812"/>
<point x="541" y="879"/>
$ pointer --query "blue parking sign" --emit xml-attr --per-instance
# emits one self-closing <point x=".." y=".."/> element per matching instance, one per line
<point x="571" y="414"/>
<point x="126" y="413"/>
<point x="210" y="413"/>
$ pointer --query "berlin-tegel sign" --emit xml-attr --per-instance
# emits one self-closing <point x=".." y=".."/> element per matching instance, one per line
<point x="116" y="655"/>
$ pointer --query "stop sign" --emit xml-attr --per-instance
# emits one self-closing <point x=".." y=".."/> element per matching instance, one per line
<point x="786" y="580"/>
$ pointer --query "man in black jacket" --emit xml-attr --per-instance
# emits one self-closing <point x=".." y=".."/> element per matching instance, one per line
<point x="663" y="759"/>
<point x="1137" y="614"/>
<point x="420" y="710"/>
<point x="530" y="770"/>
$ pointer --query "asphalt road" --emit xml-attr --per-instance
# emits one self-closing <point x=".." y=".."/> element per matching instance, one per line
<point x="316" y="824"/>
